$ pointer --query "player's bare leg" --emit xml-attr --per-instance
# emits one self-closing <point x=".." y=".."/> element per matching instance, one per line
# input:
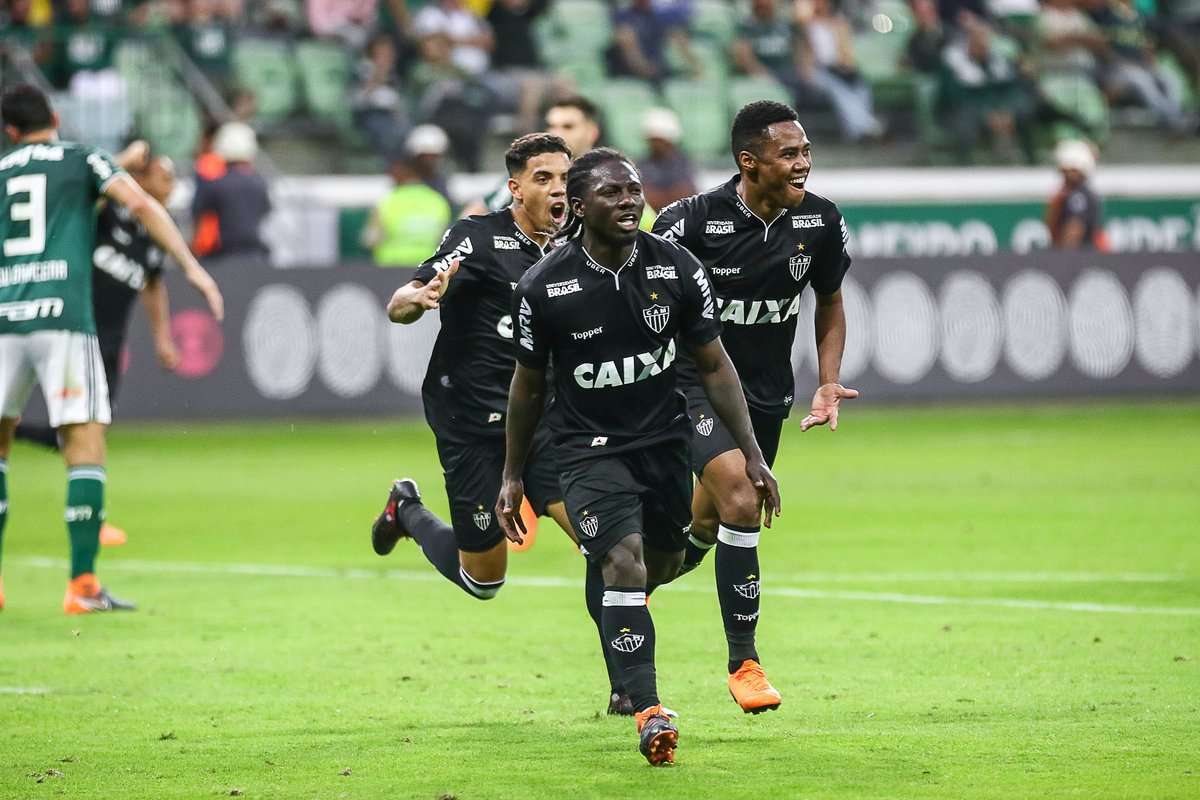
<point x="725" y="489"/>
<point x="629" y="635"/>
<point x="84" y="452"/>
<point x="8" y="426"/>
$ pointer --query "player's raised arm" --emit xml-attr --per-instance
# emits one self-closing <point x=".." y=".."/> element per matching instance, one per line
<point x="410" y="302"/>
<point x="158" y="223"/>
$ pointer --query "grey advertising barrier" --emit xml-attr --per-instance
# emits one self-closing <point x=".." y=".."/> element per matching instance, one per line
<point x="317" y="342"/>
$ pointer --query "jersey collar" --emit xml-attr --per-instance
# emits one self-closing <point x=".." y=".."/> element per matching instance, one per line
<point x="598" y="267"/>
<point x="730" y="188"/>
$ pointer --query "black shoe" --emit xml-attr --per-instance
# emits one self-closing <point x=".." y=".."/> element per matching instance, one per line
<point x="659" y="737"/>
<point x="620" y="705"/>
<point x="387" y="530"/>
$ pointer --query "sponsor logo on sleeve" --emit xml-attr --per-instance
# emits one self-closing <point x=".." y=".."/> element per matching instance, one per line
<point x="675" y="232"/>
<point x="705" y="292"/>
<point x="460" y="252"/>
<point x="525" y="320"/>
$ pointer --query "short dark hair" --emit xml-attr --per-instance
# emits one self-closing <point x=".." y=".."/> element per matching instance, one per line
<point x="26" y="108"/>
<point x="751" y="123"/>
<point x="577" y="179"/>
<point x="532" y="144"/>
<point x="585" y="106"/>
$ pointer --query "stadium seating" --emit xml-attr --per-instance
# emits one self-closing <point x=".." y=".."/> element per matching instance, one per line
<point x="880" y="51"/>
<point x="715" y="21"/>
<point x="1079" y="95"/>
<point x="704" y="120"/>
<point x="266" y="67"/>
<point x="743" y="90"/>
<point x="623" y="102"/>
<point x="324" y="69"/>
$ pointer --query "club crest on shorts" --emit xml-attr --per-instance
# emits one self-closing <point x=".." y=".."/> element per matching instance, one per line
<point x="482" y="519"/>
<point x="589" y="526"/>
<point x="627" y="642"/>
<point x="656" y="317"/>
<point x="747" y="590"/>
<point x="705" y="426"/>
<point x="798" y="265"/>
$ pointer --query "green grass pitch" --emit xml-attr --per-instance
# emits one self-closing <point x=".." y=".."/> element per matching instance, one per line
<point x="959" y="603"/>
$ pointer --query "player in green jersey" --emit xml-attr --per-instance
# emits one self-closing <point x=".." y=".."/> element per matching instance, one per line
<point x="48" y="194"/>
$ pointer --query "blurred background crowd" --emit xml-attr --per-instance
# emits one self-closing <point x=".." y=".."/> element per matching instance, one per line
<point x="426" y="88"/>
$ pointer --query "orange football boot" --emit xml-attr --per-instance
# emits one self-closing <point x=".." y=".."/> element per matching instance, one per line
<point x="112" y="536"/>
<point x="1" y="592"/>
<point x="659" y="737"/>
<point x="751" y="689"/>
<point x="85" y="595"/>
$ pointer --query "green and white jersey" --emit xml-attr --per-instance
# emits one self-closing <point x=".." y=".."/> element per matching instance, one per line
<point x="48" y="194"/>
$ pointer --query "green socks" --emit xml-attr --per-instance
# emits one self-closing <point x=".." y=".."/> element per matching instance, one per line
<point x="85" y="513"/>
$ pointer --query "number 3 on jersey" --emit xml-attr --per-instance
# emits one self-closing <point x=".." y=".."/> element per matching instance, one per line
<point x="32" y="212"/>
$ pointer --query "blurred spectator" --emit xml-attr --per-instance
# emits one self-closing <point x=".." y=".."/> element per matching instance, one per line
<point x="983" y="96"/>
<point x="641" y="34"/>
<point x="378" y="105"/>
<point x="243" y="103"/>
<point x="83" y="53"/>
<point x="667" y="175"/>
<point x="21" y="25"/>
<point x="516" y="58"/>
<point x="1068" y="40"/>
<point x="426" y="147"/>
<point x="1133" y="68"/>
<point x="206" y="34"/>
<point x="407" y="225"/>
<point x="769" y="43"/>
<point x="349" y="20"/>
<point x="1178" y="27"/>
<point x="959" y="12"/>
<point x="229" y="209"/>
<point x="924" y="49"/>
<point x="831" y="67"/>
<point x="469" y="38"/>
<point x="278" y="18"/>
<point x="1073" y="215"/>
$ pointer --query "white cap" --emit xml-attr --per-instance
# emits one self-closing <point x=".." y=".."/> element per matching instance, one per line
<point x="1075" y="154"/>
<point x="661" y="123"/>
<point x="427" y="140"/>
<point x="236" y="141"/>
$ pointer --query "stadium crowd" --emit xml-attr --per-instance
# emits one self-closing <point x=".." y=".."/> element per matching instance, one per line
<point x="966" y="76"/>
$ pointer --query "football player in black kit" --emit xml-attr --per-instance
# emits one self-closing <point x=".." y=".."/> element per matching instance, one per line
<point x="763" y="238"/>
<point x="607" y="308"/>
<point x="469" y="280"/>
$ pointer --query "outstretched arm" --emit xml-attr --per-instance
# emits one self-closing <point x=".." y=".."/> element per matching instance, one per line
<point x="526" y="396"/>
<point x="830" y="323"/>
<point x="724" y="390"/>
<point x="124" y="190"/>
<point x="414" y="298"/>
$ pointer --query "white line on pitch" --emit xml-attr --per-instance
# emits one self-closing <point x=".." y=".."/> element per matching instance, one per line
<point x="24" y="690"/>
<point x="557" y="582"/>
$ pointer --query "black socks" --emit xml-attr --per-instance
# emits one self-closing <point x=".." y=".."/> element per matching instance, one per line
<point x="737" y="590"/>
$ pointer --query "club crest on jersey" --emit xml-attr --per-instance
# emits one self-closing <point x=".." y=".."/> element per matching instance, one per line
<point x="589" y="526"/>
<point x="747" y="590"/>
<point x="627" y="642"/>
<point x="482" y="519"/>
<point x="656" y="317"/>
<point x="705" y="426"/>
<point x="798" y="265"/>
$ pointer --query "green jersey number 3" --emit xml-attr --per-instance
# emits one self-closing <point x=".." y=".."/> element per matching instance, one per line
<point x="32" y="212"/>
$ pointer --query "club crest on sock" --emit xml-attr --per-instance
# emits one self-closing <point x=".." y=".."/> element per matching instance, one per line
<point x="747" y="590"/>
<point x="627" y="642"/>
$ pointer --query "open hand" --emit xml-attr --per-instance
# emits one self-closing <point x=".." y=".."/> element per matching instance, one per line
<point x="508" y="506"/>
<point x="825" y="404"/>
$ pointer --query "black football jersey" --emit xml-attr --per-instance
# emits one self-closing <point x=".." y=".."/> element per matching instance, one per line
<point x="466" y="385"/>
<point x="611" y="336"/>
<point x="125" y="260"/>
<point x="759" y="270"/>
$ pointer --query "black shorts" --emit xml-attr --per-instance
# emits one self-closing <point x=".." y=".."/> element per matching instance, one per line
<point x="711" y="438"/>
<point x="473" y="471"/>
<point x="111" y="342"/>
<point x="647" y="491"/>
